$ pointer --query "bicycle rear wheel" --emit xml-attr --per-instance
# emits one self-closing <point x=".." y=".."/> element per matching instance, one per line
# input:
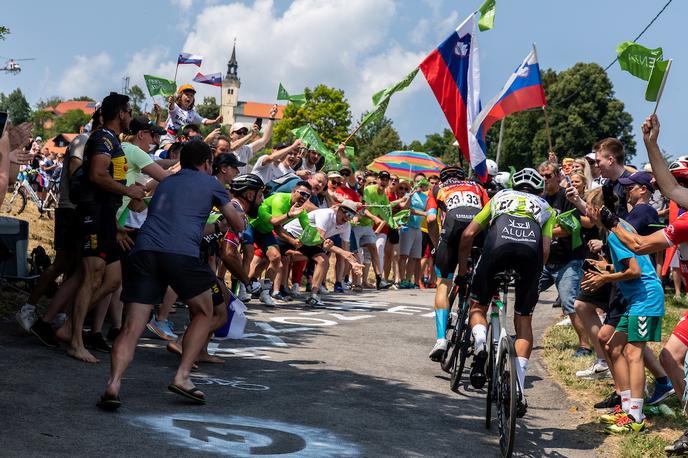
<point x="14" y="203"/>
<point x="462" y="346"/>
<point x="506" y="396"/>
<point x="450" y="334"/>
<point x="490" y="374"/>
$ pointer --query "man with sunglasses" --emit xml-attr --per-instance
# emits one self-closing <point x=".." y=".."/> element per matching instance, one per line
<point x="266" y="166"/>
<point x="241" y="131"/>
<point x="273" y="214"/>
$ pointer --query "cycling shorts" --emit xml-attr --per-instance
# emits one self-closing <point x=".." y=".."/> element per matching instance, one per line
<point x="512" y="242"/>
<point x="447" y="252"/>
<point x="98" y="230"/>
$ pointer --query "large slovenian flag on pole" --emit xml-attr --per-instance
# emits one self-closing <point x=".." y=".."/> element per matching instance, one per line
<point x="523" y="90"/>
<point x="214" y="79"/>
<point x="453" y="73"/>
<point x="188" y="58"/>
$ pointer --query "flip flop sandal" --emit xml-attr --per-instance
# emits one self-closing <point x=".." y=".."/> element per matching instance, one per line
<point x="189" y="394"/>
<point x="109" y="403"/>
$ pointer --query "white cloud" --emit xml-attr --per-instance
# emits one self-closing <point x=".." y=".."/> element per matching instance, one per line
<point x="87" y="75"/>
<point x="184" y="5"/>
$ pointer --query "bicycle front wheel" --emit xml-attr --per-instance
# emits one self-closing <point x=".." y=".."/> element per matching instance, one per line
<point x="506" y="396"/>
<point x="14" y="203"/>
<point x="489" y="373"/>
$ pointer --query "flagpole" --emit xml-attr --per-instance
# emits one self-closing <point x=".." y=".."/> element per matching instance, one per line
<point x="175" y="71"/>
<point x="544" y="109"/>
<point x="661" y="86"/>
<point x="499" y="144"/>
<point x="353" y="133"/>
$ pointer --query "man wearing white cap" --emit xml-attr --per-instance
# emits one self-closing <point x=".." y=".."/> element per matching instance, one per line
<point x="241" y="131"/>
<point x="597" y="178"/>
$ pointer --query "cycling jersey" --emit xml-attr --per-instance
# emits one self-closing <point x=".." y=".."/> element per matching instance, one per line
<point x="676" y="233"/>
<point x="521" y="204"/>
<point x="277" y="204"/>
<point x="458" y="199"/>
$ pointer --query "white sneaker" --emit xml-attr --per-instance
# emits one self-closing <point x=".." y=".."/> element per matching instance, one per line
<point x="324" y="291"/>
<point x="295" y="289"/>
<point x="597" y="371"/>
<point x="266" y="299"/>
<point x="59" y="320"/>
<point x="244" y="296"/>
<point x="26" y="316"/>
<point x="314" y="301"/>
<point x="565" y="322"/>
<point x="438" y="350"/>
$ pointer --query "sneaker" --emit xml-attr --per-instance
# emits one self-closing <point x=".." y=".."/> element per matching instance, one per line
<point x="395" y="286"/>
<point x="59" y="320"/>
<point x="661" y="392"/>
<point x="338" y="288"/>
<point x="613" y="415"/>
<point x="266" y="299"/>
<point x="626" y="424"/>
<point x="438" y="350"/>
<point x="565" y="322"/>
<point x="295" y="289"/>
<point x="96" y="341"/>
<point x="314" y="301"/>
<point x="161" y="328"/>
<point x="243" y="295"/>
<point x="26" y="316"/>
<point x="582" y="352"/>
<point x="44" y="332"/>
<point x="381" y="284"/>
<point x="289" y="294"/>
<point x="679" y="447"/>
<point x="478" y="370"/>
<point x="346" y="286"/>
<point x="610" y="401"/>
<point x="597" y="371"/>
<point x="112" y="334"/>
<point x="279" y="297"/>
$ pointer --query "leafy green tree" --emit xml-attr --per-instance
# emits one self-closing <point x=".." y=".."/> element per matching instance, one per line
<point x="84" y="98"/>
<point x="136" y="97"/>
<point x="415" y="145"/>
<point x="71" y="121"/>
<point x="326" y="109"/>
<point x="39" y="119"/>
<point x="49" y="102"/>
<point x="4" y="31"/>
<point x="16" y="106"/>
<point x="209" y="108"/>
<point x="386" y="140"/>
<point x="363" y="139"/>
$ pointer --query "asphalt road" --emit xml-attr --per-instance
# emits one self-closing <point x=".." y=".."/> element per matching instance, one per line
<point x="351" y="380"/>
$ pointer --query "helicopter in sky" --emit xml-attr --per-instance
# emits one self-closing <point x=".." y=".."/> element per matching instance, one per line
<point x="12" y="65"/>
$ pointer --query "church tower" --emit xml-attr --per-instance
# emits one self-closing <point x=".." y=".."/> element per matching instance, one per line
<point x="230" y="89"/>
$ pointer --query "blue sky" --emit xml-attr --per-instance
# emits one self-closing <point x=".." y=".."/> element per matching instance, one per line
<point x="359" y="45"/>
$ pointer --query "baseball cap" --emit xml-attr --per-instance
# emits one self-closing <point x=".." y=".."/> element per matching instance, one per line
<point x="642" y="178"/>
<point x="186" y="87"/>
<point x="591" y="156"/>
<point x="281" y="145"/>
<point x="142" y="122"/>
<point x="38" y="139"/>
<point x="226" y="159"/>
<point x="334" y="174"/>
<point x="384" y="175"/>
<point x="349" y="207"/>
<point x="238" y="126"/>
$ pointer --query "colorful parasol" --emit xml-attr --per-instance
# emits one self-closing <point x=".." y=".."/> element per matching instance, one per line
<point x="406" y="164"/>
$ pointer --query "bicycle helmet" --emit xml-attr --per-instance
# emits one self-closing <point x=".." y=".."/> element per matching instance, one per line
<point x="452" y="171"/>
<point x="492" y="168"/>
<point x="247" y="182"/>
<point x="679" y="170"/>
<point x="528" y="180"/>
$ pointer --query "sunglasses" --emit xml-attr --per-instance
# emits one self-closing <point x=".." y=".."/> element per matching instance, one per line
<point x="241" y="131"/>
<point x="336" y="183"/>
<point x="404" y="189"/>
<point x="345" y="173"/>
<point x="547" y="176"/>
<point x="305" y="195"/>
<point x="348" y="213"/>
<point x="395" y="180"/>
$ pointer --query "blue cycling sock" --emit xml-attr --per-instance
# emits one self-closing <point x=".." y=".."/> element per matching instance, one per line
<point x="662" y="380"/>
<point x="441" y="316"/>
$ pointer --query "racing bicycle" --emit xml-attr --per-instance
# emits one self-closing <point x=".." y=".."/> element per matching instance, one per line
<point x="502" y="380"/>
<point x="16" y="200"/>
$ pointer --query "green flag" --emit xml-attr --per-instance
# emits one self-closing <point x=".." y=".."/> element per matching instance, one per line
<point x="401" y="218"/>
<point x="572" y="225"/>
<point x="160" y="86"/>
<point x="655" y="81"/>
<point x="311" y="139"/>
<point x="381" y="98"/>
<point x="298" y="99"/>
<point x="637" y="60"/>
<point x="487" y="14"/>
<point x="310" y="236"/>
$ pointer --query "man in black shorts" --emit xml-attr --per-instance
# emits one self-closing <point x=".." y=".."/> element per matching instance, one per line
<point x="99" y="196"/>
<point x="167" y="252"/>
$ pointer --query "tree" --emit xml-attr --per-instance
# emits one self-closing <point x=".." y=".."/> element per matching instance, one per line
<point x="386" y="140"/>
<point x="136" y="96"/>
<point x="326" y="109"/>
<point x="16" y="106"/>
<point x="40" y="119"/>
<point x="4" y="31"/>
<point x="582" y="109"/>
<point x="71" y="121"/>
<point x="363" y="139"/>
<point x="49" y="102"/>
<point x="209" y="108"/>
<point x="84" y="98"/>
<point x="439" y="145"/>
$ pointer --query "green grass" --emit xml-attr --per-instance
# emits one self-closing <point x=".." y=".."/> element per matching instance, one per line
<point x="560" y="342"/>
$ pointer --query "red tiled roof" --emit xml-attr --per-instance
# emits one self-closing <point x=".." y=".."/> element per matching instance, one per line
<point x="260" y="110"/>
<point x="63" y="107"/>
<point x="65" y="139"/>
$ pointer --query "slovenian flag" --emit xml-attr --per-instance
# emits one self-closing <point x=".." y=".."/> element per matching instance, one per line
<point x="453" y="73"/>
<point x="187" y="58"/>
<point x="214" y="79"/>
<point x="523" y="90"/>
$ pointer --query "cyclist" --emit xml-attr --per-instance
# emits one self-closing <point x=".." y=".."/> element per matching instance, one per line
<point x="519" y="223"/>
<point x="459" y="200"/>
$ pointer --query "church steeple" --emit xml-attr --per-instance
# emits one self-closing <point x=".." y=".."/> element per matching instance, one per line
<point x="232" y="68"/>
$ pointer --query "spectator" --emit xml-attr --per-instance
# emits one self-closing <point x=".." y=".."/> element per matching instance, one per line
<point x="248" y="146"/>
<point x="182" y="113"/>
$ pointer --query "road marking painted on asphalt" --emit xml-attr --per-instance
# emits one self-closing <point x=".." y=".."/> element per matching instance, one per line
<point x="303" y="321"/>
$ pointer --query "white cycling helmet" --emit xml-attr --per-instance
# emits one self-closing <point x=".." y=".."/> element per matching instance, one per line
<point x="502" y="178"/>
<point x="528" y="180"/>
<point x="492" y="168"/>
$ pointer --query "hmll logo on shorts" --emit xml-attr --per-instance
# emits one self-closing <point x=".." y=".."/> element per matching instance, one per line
<point x="642" y="326"/>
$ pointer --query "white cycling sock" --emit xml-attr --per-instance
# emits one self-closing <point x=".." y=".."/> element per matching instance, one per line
<point x="635" y="408"/>
<point x="521" y="367"/>
<point x="479" y="332"/>
<point x="625" y="400"/>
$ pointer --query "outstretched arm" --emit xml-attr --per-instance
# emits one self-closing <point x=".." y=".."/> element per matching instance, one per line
<point x="666" y="182"/>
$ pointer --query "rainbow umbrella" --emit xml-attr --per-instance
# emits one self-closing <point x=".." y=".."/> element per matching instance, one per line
<point x="406" y="164"/>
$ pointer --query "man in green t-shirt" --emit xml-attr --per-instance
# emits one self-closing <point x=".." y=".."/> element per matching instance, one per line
<point x="369" y="231"/>
<point x="275" y="212"/>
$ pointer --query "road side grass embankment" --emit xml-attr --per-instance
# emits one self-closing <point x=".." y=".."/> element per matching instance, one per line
<point x="560" y="342"/>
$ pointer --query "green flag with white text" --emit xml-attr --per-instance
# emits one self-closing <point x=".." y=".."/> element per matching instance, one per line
<point x="655" y="81"/>
<point x="381" y="98"/>
<point x="298" y="99"/>
<point x="160" y="86"/>
<point x="637" y="59"/>
<point x="572" y="225"/>
<point x="487" y="14"/>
